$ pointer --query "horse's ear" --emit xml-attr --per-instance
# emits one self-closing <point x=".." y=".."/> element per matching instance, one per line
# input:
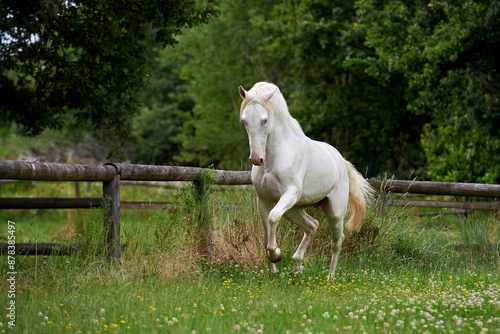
<point x="269" y="95"/>
<point x="243" y="92"/>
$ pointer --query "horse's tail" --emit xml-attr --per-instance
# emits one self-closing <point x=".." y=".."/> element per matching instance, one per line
<point x="359" y="192"/>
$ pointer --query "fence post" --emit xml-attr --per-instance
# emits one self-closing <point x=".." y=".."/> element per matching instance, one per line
<point x="382" y="203"/>
<point x="77" y="189"/>
<point x="466" y="213"/>
<point x="87" y="190"/>
<point x="203" y="221"/>
<point x="111" y="205"/>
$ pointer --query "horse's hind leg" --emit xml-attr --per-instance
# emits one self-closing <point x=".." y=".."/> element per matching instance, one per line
<point x="309" y="225"/>
<point x="264" y="209"/>
<point x="335" y="208"/>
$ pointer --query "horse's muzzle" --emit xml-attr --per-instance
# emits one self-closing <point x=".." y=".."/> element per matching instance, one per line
<point x="257" y="162"/>
<point x="257" y="159"/>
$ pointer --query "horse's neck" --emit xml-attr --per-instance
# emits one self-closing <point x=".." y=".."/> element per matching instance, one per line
<point x="280" y="140"/>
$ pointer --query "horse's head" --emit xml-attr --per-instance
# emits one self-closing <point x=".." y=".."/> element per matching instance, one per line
<point x="255" y="116"/>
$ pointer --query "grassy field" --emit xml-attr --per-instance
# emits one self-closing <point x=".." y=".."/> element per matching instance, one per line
<point x="399" y="274"/>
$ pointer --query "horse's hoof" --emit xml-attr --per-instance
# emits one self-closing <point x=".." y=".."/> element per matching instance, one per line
<point x="278" y="259"/>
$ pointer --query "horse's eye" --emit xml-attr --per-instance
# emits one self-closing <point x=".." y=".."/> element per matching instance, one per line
<point x="264" y="121"/>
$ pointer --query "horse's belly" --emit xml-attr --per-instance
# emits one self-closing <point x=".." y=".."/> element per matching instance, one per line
<point x="315" y="195"/>
<point x="269" y="187"/>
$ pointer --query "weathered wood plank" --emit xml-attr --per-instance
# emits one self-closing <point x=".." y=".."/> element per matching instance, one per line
<point x="41" y="248"/>
<point x="437" y="213"/>
<point x="73" y="203"/>
<point x="50" y="203"/>
<point x="177" y="173"/>
<point x="225" y="177"/>
<point x="437" y="188"/>
<point x="148" y="184"/>
<point x="445" y="204"/>
<point x="146" y="205"/>
<point x="21" y="170"/>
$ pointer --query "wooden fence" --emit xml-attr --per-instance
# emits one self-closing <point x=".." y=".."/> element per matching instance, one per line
<point x="110" y="175"/>
<point x="113" y="173"/>
<point x="439" y="188"/>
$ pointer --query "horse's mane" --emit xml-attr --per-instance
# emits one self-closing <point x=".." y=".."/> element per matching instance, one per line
<point x="276" y="106"/>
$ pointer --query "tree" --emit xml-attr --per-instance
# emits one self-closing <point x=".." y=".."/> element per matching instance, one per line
<point x="159" y="121"/>
<point x="447" y="52"/>
<point x="84" y="60"/>
<point x="300" y="47"/>
<point x="400" y="87"/>
<point x="342" y="105"/>
<point x="217" y="59"/>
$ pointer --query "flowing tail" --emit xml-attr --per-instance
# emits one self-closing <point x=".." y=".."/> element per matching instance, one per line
<point x="359" y="192"/>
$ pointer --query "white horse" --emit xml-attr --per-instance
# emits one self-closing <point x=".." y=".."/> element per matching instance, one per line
<point x="291" y="172"/>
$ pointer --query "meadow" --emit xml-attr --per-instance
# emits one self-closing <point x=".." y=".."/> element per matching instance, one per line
<point x="399" y="274"/>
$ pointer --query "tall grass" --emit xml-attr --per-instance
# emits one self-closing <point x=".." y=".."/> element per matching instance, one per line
<point x="397" y="274"/>
<point x="389" y="238"/>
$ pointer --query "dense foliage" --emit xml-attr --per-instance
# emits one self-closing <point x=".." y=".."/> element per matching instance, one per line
<point x="83" y="60"/>
<point x="398" y="87"/>
<point x="447" y="54"/>
<point x="300" y="47"/>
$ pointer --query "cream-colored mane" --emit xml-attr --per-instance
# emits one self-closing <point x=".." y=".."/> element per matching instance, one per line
<point x="276" y="106"/>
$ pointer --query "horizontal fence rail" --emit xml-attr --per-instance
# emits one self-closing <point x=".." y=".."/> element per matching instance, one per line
<point x="112" y="174"/>
<point x="73" y="203"/>
<point x="174" y="173"/>
<point x="437" y="188"/>
<point x="445" y="204"/>
<point x="50" y="203"/>
<point x="20" y="170"/>
<point x="42" y="249"/>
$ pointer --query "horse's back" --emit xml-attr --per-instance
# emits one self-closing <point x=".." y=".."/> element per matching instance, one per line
<point x="326" y="169"/>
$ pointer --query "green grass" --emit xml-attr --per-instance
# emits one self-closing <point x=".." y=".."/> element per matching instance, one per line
<point x="46" y="225"/>
<point x="411" y="276"/>
<point x="224" y="299"/>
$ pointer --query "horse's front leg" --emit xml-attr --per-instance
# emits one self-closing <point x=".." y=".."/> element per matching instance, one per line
<point x="287" y="201"/>
<point x="264" y="209"/>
